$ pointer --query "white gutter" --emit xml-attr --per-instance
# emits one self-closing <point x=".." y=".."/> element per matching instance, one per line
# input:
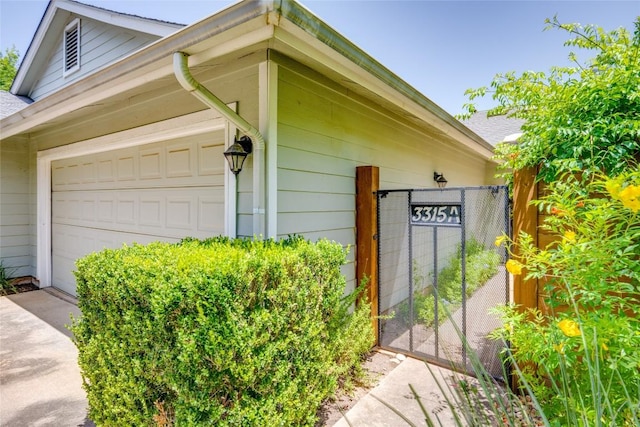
<point x="189" y="83"/>
<point x="302" y="18"/>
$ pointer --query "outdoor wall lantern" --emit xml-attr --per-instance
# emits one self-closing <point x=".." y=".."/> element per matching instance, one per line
<point x="440" y="179"/>
<point x="236" y="154"/>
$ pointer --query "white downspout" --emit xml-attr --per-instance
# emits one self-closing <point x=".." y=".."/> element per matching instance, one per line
<point x="182" y="73"/>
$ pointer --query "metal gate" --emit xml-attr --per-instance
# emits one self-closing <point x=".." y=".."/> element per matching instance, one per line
<point x="440" y="273"/>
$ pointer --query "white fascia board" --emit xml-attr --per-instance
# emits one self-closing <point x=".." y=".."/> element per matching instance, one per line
<point x="136" y="23"/>
<point x="151" y="63"/>
<point x="34" y="47"/>
<point x="344" y="57"/>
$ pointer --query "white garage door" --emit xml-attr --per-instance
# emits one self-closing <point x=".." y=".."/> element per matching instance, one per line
<point x="161" y="191"/>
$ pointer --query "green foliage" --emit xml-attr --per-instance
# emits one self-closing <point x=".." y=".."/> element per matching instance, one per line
<point x="584" y="117"/>
<point x="422" y="292"/>
<point x="6" y="286"/>
<point x="216" y="332"/>
<point x="588" y="379"/>
<point x="481" y="265"/>
<point x="582" y="359"/>
<point x="8" y="67"/>
<point x="582" y="130"/>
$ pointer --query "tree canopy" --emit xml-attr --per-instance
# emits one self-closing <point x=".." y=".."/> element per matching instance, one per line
<point x="582" y="117"/>
<point x="8" y="67"/>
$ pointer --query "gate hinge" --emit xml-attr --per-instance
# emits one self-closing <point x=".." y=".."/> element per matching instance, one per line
<point x="375" y="237"/>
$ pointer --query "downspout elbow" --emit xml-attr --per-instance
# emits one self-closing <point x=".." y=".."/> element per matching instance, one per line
<point x="182" y="72"/>
<point x="190" y="84"/>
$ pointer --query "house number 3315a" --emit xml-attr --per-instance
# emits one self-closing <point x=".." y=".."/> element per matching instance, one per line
<point x="441" y="214"/>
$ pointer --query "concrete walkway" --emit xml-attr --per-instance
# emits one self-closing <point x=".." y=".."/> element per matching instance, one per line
<point x="393" y="404"/>
<point x="40" y="382"/>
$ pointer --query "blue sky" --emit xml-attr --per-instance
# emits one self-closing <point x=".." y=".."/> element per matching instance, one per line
<point x="439" y="47"/>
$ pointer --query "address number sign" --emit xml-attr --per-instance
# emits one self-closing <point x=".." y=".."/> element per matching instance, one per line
<point x="436" y="214"/>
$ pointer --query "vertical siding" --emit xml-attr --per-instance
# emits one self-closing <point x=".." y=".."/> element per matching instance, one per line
<point x="16" y="219"/>
<point x="101" y="44"/>
<point x="324" y="133"/>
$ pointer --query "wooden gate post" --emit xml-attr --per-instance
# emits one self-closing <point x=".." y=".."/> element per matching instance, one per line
<point x="525" y="218"/>
<point x="367" y="184"/>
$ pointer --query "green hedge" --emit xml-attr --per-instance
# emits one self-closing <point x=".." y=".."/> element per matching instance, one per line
<point x="216" y="332"/>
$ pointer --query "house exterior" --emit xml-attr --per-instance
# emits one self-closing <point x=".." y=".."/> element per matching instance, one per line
<point x="116" y="149"/>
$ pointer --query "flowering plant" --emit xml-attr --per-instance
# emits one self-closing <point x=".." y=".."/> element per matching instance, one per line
<point x="581" y="132"/>
<point x="582" y="358"/>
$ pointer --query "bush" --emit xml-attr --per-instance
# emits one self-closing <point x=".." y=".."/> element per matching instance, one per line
<point x="580" y="359"/>
<point x="215" y="332"/>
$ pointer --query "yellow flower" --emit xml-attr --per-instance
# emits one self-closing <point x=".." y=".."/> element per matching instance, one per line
<point x="604" y="347"/>
<point x="559" y="348"/>
<point x="500" y="240"/>
<point x="569" y="328"/>
<point x="630" y="197"/>
<point x="514" y="267"/>
<point x="570" y="236"/>
<point x="613" y="187"/>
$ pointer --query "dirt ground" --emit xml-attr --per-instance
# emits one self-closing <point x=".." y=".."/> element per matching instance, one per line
<point x="378" y="365"/>
<point x="19" y="285"/>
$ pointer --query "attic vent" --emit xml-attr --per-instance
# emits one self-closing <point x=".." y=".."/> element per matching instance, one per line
<point x="71" y="56"/>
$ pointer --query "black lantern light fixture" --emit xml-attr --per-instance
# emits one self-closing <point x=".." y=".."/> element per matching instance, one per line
<point x="236" y="154"/>
<point x="440" y="179"/>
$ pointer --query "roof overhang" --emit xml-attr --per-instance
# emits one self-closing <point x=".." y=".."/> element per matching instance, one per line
<point x="282" y="25"/>
<point x="56" y="17"/>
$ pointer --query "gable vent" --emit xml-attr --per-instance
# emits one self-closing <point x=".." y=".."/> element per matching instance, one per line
<point x="71" y="55"/>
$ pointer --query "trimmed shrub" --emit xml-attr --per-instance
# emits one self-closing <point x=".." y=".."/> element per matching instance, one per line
<point x="216" y="332"/>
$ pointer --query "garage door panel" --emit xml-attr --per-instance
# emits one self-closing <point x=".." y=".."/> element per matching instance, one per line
<point x="76" y="242"/>
<point x="196" y="210"/>
<point x="180" y="160"/>
<point x="126" y="167"/>
<point x="152" y="211"/>
<point x="152" y="163"/>
<point x="161" y="191"/>
<point x="89" y="210"/>
<point x="210" y="210"/>
<point x="192" y="161"/>
<point x="209" y="159"/>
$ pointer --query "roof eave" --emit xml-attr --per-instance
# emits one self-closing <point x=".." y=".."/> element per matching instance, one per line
<point x="153" y="61"/>
<point x="297" y="26"/>
<point x="402" y="94"/>
<point x="54" y="19"/>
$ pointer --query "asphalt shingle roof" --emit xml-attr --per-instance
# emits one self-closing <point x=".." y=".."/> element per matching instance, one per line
<point x="493" y="129"/>
<point x="10" y="103"/>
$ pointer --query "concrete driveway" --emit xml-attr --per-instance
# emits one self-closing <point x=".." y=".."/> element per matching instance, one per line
<point x="40" y="382"/>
